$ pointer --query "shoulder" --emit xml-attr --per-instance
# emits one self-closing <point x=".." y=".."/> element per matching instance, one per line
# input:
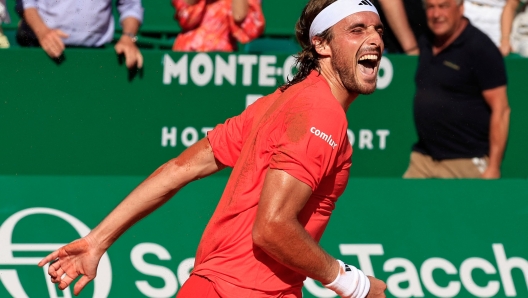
<point x="312" y="91"/>
<point x="478" y="40"/>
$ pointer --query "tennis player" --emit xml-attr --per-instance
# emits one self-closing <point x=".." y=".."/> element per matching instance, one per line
<point x="290" y="157"/>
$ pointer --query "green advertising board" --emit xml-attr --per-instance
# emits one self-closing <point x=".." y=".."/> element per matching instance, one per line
<point x="89" y="116"/>
<point x="429" y="238"/>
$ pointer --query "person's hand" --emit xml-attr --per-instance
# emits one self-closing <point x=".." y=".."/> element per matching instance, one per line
<point x="80" y="257"/>
<point x="491" y="173"/>
<point x="126" y="46"/>
<point x="505" y="47"/>
<point x="51" y="42"/>
<point x="377" y="288"/>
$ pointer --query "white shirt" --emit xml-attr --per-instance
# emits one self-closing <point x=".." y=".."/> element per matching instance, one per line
<point x="495" y="3"/>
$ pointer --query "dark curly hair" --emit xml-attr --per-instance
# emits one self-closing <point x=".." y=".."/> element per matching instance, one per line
<point x="308" y="59"/>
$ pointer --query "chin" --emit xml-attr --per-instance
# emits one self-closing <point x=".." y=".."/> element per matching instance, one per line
<point x="367" y="91"/>
<point x="368" y="88"/>
<point x="364" y="89"/>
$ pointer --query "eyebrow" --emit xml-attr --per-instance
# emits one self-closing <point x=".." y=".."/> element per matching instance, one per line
<point x="362" y="25"/>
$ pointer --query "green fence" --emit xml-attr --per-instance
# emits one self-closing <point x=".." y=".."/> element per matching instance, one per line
<point x="88" y="116"/>
<point x="431" y="238"/>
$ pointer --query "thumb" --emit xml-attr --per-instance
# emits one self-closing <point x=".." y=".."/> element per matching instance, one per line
<point x="119" y="49"/>
<point x="83" y="281"/>
<point x="61" y="33"/>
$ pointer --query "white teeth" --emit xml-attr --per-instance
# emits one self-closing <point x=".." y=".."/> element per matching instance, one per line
<point x="368" y="57"/>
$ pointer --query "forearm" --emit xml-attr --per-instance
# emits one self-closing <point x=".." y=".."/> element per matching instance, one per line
<point x="278" y="232"/>
<point x="288" y="243"/>
<point x="508" y="13"/>
<point x="397" y="19"/>
<point x="240" y="10"/>
<point x="143" y="200"/>
<point x="194" y="163"/>
<point x="35" y="22"/>
<point x="499" y="126"/>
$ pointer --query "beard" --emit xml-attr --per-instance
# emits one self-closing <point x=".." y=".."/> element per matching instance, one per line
<point x="341" y="64"/>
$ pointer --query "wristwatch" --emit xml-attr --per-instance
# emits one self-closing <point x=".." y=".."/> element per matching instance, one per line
<point x="131" y="35"/>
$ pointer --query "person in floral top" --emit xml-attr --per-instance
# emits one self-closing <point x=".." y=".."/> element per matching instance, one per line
<point x="217" y="25"/>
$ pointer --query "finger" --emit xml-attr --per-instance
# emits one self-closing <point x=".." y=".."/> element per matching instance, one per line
<point x="54" y="268"/>
<point x="58" y="276"/>
<point x="83" y="281"/>
<point x="61" y="33"/>
<point x="48" y="48"/>
<point x="51" y="49"/>
<point x="66" y="280"/>
<point x="140" y="60"/>
<point x="58" y="43"/>
<point x="129" y="58"/>
<point x="119" y="49"/>
<point x="52" y="256"/>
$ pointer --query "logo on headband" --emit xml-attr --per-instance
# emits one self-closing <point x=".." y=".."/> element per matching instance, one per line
<point x="365" y="2"/>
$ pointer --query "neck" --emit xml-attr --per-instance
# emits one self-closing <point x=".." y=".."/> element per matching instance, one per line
<point x="442" y="42"/>
<point x="340" y="92"/>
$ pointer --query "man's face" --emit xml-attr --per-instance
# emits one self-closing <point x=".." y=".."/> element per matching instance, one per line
<point x="356" y="51"/>
<point x="443" y="16"/>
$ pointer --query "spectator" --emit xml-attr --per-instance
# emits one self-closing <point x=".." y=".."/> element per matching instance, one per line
<point x="4" y="18"/>
<point x="461" y="109"/>
<point x="217" y="25"/>
<point x="405" y="22"/>
<point x="486" y="16"/>
<point x="507" y="20"/>
<point x="54" y="25"/>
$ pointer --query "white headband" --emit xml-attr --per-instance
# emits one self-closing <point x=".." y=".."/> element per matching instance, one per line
<point x="337" y="11"/>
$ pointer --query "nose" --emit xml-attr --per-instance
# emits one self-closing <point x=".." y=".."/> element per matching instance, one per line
<point x="374" y="38"/>
<point x="433" y="12"/>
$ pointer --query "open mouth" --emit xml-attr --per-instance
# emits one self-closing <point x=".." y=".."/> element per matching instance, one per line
<point x="367" y="64"/>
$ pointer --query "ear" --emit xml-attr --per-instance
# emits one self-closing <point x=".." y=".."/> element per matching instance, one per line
<point x="321" y="47"/>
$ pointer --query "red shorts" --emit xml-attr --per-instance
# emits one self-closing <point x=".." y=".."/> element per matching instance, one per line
<point x="197" y="286"/>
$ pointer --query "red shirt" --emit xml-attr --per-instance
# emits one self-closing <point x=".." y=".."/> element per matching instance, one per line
<point x="302" y="131"/>
<point x="208" y="25"/>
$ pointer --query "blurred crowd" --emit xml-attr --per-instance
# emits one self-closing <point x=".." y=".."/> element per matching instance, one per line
<point x="223" y="24"/>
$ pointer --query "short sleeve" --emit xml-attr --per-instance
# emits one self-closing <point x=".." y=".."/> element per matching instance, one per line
<point x="252" y="26"/>
<point x="130" y="8"/>
<point x="227" y="138"/>
<point x="492" y="73"/>
<point x="309" y="146"/>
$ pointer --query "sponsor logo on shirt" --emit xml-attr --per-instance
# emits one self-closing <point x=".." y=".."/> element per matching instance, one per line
<point x="451" y="65"/>
<point x="324" y="136"/>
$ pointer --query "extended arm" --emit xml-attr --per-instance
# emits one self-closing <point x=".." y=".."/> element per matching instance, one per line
<point x="508" y="13"/>
<point x="497" y="99"/>
<point x="82" y="256"/>
<point x="398" y="22"/>
<point x="278" y="232"/>
<point x="50" y="39"/>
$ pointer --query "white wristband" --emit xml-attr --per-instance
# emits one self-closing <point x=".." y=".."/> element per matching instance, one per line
<point x="350" y="282"/>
